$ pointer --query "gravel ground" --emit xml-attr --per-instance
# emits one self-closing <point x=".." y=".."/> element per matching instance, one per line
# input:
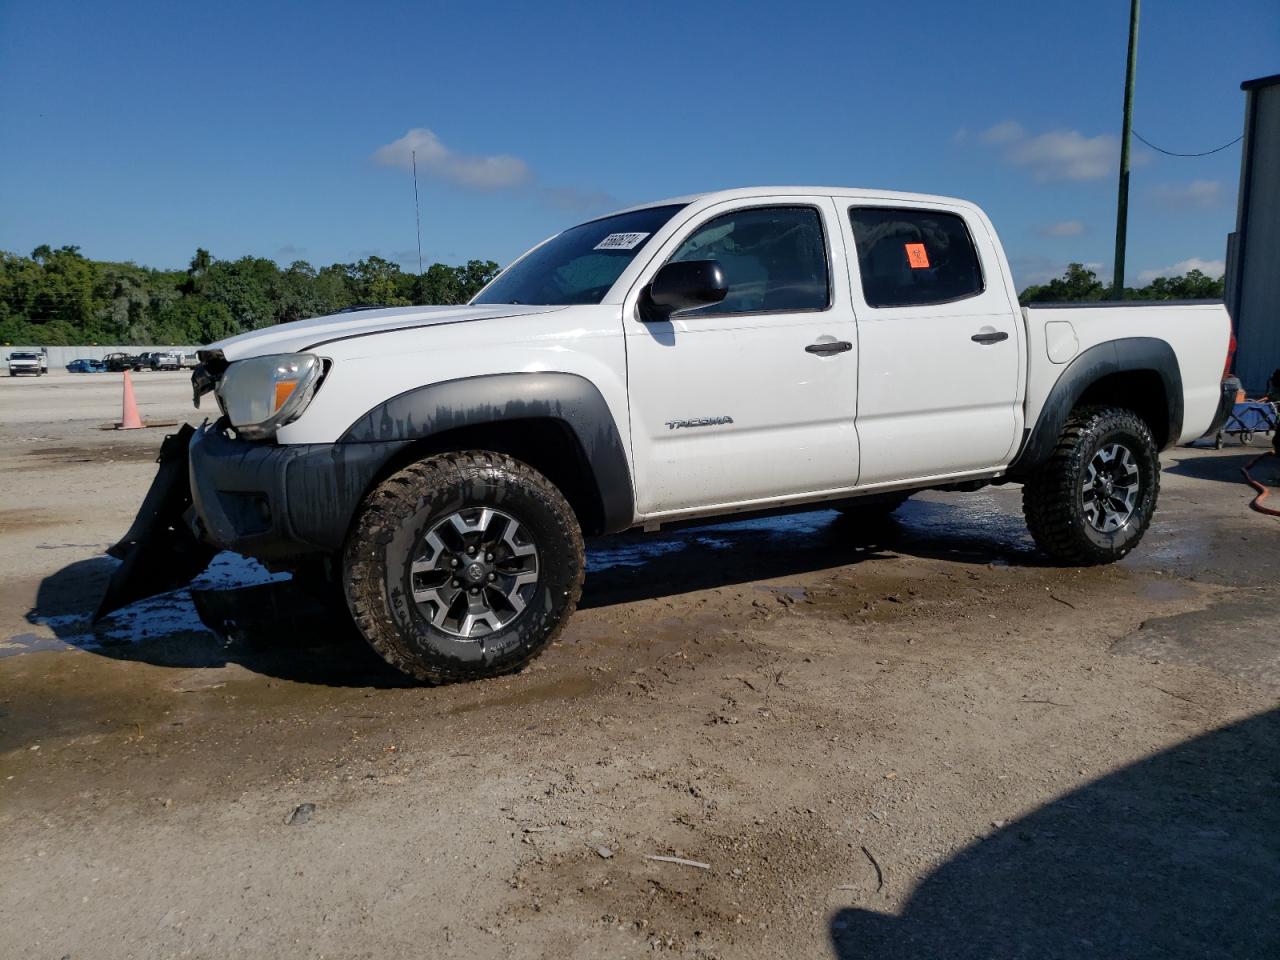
<point x="915" y="742"/>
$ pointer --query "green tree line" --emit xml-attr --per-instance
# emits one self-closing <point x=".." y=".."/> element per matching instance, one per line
<point x="60" y="297"/>
<point x="1081" y="283"/>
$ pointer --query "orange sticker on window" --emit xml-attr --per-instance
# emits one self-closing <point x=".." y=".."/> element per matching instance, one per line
<point x="916" y="256"/>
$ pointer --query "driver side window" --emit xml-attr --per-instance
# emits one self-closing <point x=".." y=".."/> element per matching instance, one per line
<point x="774" y="258"/>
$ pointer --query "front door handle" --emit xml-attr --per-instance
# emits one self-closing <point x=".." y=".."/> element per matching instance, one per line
<point x="988" y="338"/>
<point x="825" y="348"/>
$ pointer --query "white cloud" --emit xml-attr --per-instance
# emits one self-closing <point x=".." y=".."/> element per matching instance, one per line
<point x="1210" y="268"/>
<point x="1058" y="154"/>
<point x="1029" y="270"/>
<point x="495" y="172"/>
<point x="1067" y="155"/>
<point x="487" y="173"/>
<point x="1006" y="132"/>
<point x="1063" y="228"/>
<point x="1198" y="194"/>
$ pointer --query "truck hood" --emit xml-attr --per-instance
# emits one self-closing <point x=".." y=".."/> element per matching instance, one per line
<point x="304" y="334"/>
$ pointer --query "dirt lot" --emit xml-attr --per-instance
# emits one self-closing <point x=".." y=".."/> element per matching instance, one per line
<point x="921" y="742"/>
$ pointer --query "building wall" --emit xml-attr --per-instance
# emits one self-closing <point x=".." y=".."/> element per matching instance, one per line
<point x="1255" y="294"/>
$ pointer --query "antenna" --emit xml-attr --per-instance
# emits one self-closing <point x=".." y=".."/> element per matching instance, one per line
<point x="417" y="213"/>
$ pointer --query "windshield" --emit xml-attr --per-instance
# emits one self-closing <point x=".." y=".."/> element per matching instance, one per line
<point x="22" y="356"/>
<point x="581" y="264"/>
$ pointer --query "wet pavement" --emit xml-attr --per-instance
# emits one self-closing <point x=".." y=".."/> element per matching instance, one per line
<point x="916" y="738"/>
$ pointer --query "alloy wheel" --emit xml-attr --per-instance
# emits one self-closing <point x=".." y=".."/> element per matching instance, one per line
<point x="474" y="572"/>
<point x="1111" y="486"/>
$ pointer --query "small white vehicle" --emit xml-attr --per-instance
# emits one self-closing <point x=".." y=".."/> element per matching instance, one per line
<point x="737" y="351"/>
<point x="22" y="363"/>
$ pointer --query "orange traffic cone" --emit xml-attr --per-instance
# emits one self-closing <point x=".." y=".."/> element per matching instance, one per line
<point x="129" y="419"/>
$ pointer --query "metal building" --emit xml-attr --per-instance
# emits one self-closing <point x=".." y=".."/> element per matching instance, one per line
<point x="1253" y="251"/>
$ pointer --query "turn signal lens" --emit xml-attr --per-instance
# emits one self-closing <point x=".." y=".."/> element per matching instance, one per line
<point x="284" y="390"/>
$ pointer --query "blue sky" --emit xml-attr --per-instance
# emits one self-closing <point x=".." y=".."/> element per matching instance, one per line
<point x="140" y="131"/>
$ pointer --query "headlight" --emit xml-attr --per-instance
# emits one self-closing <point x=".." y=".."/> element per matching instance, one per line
<point x="262" y="394"/>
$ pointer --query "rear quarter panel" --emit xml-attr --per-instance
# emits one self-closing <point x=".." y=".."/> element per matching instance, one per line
<point x="1198" y="334"/>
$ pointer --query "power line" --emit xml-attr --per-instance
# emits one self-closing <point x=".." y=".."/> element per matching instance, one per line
<point x="1172" y="154"/>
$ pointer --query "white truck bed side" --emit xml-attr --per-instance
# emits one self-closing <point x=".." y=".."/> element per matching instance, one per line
<point x="1198" y="333"/>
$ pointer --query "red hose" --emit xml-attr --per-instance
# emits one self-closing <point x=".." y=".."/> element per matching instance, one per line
<point x="1256" y="502"/>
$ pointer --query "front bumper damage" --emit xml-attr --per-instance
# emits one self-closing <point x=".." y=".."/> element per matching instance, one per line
<point x="213" y="491"/>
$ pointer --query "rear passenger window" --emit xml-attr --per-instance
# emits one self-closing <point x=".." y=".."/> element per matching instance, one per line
<point x="775" y="259"/>
<point x="912" y="258"/>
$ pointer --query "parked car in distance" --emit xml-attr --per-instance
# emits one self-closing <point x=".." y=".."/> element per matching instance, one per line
<point x="116" y="362"/>
<point x="25" y="363"/>
<point x="86" y="365"/>
<point x="168" y="360"/>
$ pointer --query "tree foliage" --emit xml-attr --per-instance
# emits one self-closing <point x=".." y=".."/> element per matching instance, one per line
<point x="1081" y="283"/>
<point x="60" y="297"/>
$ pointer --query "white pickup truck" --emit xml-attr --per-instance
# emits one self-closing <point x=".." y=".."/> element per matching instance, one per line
<point x="735" y="351"/>
<point x="36" y="363"/>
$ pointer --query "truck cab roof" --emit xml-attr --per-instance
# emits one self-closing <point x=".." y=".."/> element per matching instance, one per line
<point x="746" y="193"/>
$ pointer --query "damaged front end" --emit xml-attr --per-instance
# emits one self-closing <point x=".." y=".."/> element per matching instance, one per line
<point x="159" y="552"/>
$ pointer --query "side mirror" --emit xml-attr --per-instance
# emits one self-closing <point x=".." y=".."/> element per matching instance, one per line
<point x="682" y="286"/>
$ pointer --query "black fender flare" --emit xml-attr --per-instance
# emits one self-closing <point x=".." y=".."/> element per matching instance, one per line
<point x="1128" y="354"/>
<point x="471" y="401"/>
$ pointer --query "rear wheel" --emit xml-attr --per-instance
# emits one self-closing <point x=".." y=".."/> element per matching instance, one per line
<point x="463" y="566"/>
<point x="1093" y="500"/>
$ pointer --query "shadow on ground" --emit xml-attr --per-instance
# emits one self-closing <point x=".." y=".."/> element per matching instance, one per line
<point x="639" y="566"/>
<point x="236" y="614"/>
<point x="1175" y="856"/>
<point x="275" y="628"/>
<point x="1226" y="467"/>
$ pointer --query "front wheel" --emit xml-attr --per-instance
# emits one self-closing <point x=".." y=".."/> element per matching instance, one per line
<point x="463" y="566"/>
<point x="1093" y="500"/>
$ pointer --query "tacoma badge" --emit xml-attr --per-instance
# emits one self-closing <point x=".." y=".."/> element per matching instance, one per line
<point x="699" y="422"/>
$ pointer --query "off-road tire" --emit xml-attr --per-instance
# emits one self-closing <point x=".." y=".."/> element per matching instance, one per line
<point x="1053" y="498"/>
<point x="391" y="521"/>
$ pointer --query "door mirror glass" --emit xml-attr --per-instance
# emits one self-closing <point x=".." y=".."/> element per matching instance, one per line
<point x="683" y="285"/>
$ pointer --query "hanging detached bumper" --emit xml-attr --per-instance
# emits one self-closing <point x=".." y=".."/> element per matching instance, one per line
<point x="159" y="553"/>
<point x="275" y="503"/>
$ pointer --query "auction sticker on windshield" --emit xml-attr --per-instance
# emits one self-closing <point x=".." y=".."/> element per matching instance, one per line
<point x="621" y="241"/>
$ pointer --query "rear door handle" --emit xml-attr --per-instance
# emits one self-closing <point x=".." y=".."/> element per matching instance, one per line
<point x="989" y="338"/>
<point x="826" y="347"/>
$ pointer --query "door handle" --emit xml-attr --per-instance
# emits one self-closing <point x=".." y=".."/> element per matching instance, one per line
<point x="989" y="338"/>
<point x="825" y="348"/>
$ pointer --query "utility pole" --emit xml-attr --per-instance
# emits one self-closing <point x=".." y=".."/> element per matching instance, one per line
<point x="417" y="213"/>
<point x="1122" y="197"/>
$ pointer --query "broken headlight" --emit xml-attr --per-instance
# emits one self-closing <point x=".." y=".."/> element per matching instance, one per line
<point x="260" y="395"/>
